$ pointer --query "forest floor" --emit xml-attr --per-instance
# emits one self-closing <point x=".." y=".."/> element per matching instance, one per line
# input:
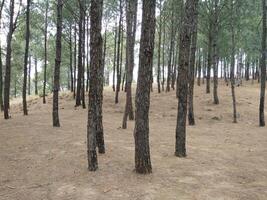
<point x="225" y="161"/>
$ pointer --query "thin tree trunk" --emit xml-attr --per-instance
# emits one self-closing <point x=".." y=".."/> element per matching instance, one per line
<point x="96" y="83"/>
<point x="159" y="46"/>
<point x="29" y="75"/>
<point x="232" y="75"/>
<point x="75" y="62"/>
<point x="45" y="49"/>
<point x="163" y="56"/>
<point x="115" y="57"/>
<point x="87" y="55"/>
<point x="263" y="66"/>
<point x="131" y="15"/>
<point x="71" y="66"/>
<point x="57" y="64"/>
<point x="118" y="55"/>
<point x="36" y="77"/>
<point x="199" y="68"/>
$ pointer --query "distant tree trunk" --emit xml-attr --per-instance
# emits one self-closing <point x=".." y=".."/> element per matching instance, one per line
<point x="87" y="55"/>
<point x="142" y="101"/>
<point x="104" y="55"/>
<point x="184" y="54"/>
<point x="96" y="85"/>
<point x="29" y="74"/>
<point x="215" y="56"/>
<point x="232" y="75"/>
<point x="163" y="56"/>
<point x="1" y="63"/>
<point x="171" y="50"/>
<point x="204" y="68"/>
<point x="159" y="46"/>
<point x="36" y="77"/>
<point x="174" y="71"/>
<point x="115" y="57"/>
<point x="75" y="62"/>
<point x="1" y="81"/>
<point x="71" y="68"/>
<point x="57" y="64"/>
<point x="118" y="55"/>
<point x="45" y="51"/>
<point x="192" y="61"/>
<point x="263" y="65"/>
<point x="131" y="15"/>
<point x="199" y="68"/>
<point x="80" y="54"/>
<point x="247" y="70"/>
<point x="8" y="61"/>
<point x="209" y="58"/>
<point x="83" y="61"/>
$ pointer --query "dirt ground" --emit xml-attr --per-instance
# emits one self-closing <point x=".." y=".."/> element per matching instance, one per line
<point x="225" y="161"/>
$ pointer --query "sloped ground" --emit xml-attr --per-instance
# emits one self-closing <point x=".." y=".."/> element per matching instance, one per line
<point x="225" y="161"/>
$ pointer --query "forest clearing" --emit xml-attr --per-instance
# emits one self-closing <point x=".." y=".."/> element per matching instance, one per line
<point x="225" y="160"/>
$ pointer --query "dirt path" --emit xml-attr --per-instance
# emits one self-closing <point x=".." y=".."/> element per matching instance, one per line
<point x="225" y="161"/>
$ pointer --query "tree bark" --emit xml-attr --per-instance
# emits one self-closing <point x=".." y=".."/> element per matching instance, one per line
<point x="191" y="117"/>
<point x="131" y="15"/>
<point x="57" y="64"/>
<point x="36" y="77"/>
<point x="45" y="49"/>
<point x="263" y="66"/>
<point x="142" y="101"/>
<point x="95" y="84"/>
<point x="184" y="54"/>
<point x="8" y="61"/>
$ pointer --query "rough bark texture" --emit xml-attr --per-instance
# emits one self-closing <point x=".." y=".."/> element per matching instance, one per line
<point x="1" y="64"/>
<point x="95" y="85"/>
<point x="115" y="57"/>
<point x="263" y="66"/>
<point x="209" y="59"/>
<point x="26" y="54"/>
<point x="57" y="64"/>
<point x="74" y="62"/>
<point x="45" y="51"/>
<point x="142" y="101"/>
<point x="184" y="53"/>
<point x="131" y="15"/>
<point x="71" y="66"/>
<point x="8" y="61"/>
<point x="191" y="117"/>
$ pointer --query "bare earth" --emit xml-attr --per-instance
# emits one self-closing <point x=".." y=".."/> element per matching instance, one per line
<point x="225" y="161"/>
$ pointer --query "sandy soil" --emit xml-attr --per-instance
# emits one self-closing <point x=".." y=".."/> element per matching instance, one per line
<point x="225" y="161"/>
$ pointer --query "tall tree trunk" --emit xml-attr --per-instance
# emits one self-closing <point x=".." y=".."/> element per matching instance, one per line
<point x="115" y="57"/>
<point x="26" y="57"/>
<point x="45" y="49"/>
<point x="215" y="56"/>
<point x="131" y="15"/>
<point x="57" y="64"/>
<point x="87" y="55"/>
<point x="118" y="55"/>
<point x="163" y="56"/>
<point x="159" y="46"/>
<point x="29" y="74"/>
<point x="71" y="66"/>
<point x="263" y="65"/>
<point x="171" y="51"/>
<point x="191" y="117"/>
<point x="209" y="58"/>
<point x="142" y="101"/>
<point x="83" y="61"/>
<point x="8" y="61"/>
<point x="80" y="54"/>
<point x="232" y="73"/>
<point x="1" y="63"/>
<point x="184" y="54"/>
<point x="199" y="68"/>
<point x="75" y="62"/>
<point x="96" y="84"/>
<point x="36" y="77"/>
